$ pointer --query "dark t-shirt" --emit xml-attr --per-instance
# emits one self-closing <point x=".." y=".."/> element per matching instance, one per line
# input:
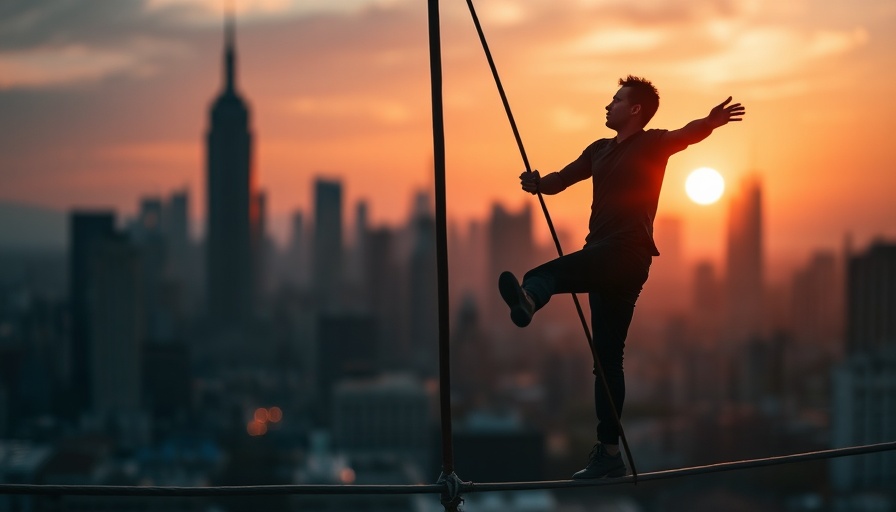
<point x="627" y="179"/>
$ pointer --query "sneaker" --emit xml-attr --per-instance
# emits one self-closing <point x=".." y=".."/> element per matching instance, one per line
<point x="521" y="306"/>
<point x="602" y="465"/>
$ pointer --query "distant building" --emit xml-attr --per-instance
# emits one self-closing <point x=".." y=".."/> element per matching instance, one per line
<point x="665" y="291"/>
<point x="86" y="231"/>
<point x="22" y="462"/>
<point x="229" y="249"/>
<point x="510" y="247"/>
<point x="176" y="224"/>
<point x="166" y="379"/>
<point x="387" y="416"/>
<point x="355" y="257"/>
<point x="148" y="236"/>
<point x="262" y="248"/>
<point x="745" y="272"/>
<point x="327" y="261"/>
<point x="498" y="448"/>
<point x="385" y="297"/>
<point x="864" y="412"/>
<point x="864" y="386"/>
<point x="296" y="266"/>
<point x="706" y="304"/>
<point x="871" y="300"/>
<point x="347" y="347"/>
<point x="423" y="290"/>
<point x="818" y="305"/>
<point x="117" y="327"/>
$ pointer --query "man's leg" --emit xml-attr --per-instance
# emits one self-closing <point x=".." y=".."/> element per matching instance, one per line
<point x="612" y="307"/>
<point x="567" y="274"/>
<point x="610" y="319"/>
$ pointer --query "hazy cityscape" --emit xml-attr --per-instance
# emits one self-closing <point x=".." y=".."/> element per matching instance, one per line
<point x="142" y="355"/>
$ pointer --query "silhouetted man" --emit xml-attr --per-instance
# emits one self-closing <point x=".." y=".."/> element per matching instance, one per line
<point x="627" y="175"/>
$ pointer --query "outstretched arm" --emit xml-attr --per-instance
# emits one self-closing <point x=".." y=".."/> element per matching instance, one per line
<point x="699" y="129"/>
<point x="549" y="184"/>
<point x="556" y="182"/>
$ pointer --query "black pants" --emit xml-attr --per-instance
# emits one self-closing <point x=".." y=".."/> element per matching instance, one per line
<point x="612" y="276"/>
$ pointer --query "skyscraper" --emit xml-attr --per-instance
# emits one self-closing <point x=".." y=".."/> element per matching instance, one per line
<point x="297" y="253"/>
<point x="510" y="247"/>
<point x="744" y="256"/>
<point x="87" y="230"/>
<point x="871" y="300"/>
<point x="864" y="387"/>
<point x="327" y="262"/>
<point x="818" y="304"/>
<point x="117" y="326"/>
<point x="176" y="228"/>
<point x="423" y="296"/>
<point x="229" y="267"/>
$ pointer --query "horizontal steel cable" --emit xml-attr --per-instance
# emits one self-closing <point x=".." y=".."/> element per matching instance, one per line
<point x="466" y="487"/>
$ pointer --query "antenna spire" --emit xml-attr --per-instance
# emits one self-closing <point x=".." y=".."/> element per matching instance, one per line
<point x="229" y="47"/>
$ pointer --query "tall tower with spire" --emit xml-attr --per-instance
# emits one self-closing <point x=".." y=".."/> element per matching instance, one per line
<point x="229" y="252"/>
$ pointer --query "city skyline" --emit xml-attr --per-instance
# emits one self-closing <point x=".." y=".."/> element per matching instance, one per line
<point x="168" y="340"/>
<point x="107" y="111"/>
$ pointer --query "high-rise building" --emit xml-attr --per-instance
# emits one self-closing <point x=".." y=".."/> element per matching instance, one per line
<point x="423" y="293"/>
<point x="818" y="304"/>
<point x="864" y="385"/>
<point x="347" y="347"/>
<point x="148" y="237"/>
<point x="510" y="247"/>
<point x="117" y="327"/>
<point x="384" y="298"/>
<point x="176" y="228"/>
<point x="354" y="265"/>
<point x="296" y="265"/>
<point x="262" y="250"/>
<point x="706" y="304"/>
<point x="745" y="276"/>
<point x="176" y="221"/>
<point x="665" y="291"/>
<point x="871" y="299"/>
<point x="383" y="416"/>
<point x="229" y="267"/>
<point x="327" y="263"/>
<point x="86" y="231"/>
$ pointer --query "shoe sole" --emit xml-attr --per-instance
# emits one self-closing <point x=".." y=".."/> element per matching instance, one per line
<point x="513" y="296"/>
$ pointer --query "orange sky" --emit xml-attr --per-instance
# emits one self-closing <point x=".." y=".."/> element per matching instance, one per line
<point x="101" y="105"/>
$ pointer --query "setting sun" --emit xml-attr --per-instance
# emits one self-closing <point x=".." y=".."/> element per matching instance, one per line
<point x="704" y="185"/>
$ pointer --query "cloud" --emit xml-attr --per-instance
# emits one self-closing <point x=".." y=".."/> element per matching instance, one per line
<point x="380" y="111"/>
<point x="617" y="40"/>
<point x="77" y="63"/>
<point x="766" y="53"/>
<point x="151" y="152"/>
<point x="211" y="10"/>
<point x="67" y="64"/>
<point x="53" y="42"/>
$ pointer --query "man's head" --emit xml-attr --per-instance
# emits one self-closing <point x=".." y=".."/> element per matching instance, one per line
<point x="634" y="104"/>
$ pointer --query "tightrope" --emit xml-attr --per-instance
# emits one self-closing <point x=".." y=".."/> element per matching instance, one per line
<point x="465" y="487"/>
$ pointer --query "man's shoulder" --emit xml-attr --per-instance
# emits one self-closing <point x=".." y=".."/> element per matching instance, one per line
<point x="654" y="137"/>
<point x="656" y="132"/>
<point x="599" y="143"/>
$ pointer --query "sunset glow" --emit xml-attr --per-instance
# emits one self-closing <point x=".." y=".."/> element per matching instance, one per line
<point x="110" y="115"/>
<point x="704" y="185"/>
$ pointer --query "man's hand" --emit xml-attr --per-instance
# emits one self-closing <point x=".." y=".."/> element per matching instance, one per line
<point x="723" y="113"/>
<point x="529" y="181"/>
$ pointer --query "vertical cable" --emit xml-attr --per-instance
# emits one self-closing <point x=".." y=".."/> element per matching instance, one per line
<point x="450" y="499"/>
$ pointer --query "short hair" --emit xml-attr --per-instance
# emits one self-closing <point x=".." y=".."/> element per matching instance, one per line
<point x="642" y="93"/>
